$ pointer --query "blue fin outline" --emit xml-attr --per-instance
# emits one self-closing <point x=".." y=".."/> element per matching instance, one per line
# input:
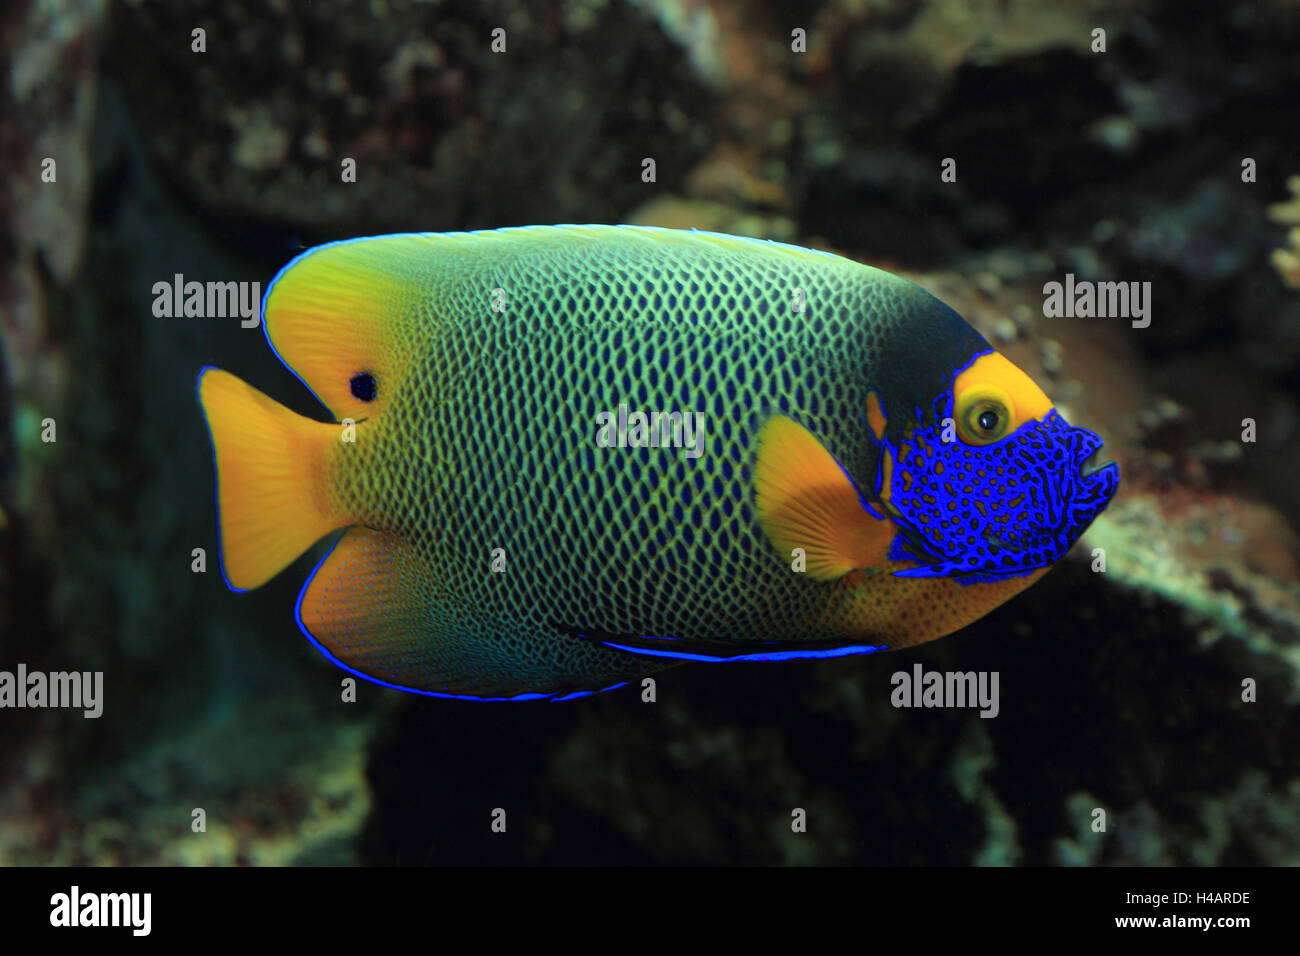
<point x="553" y="696"/>
<point x="724" y="653"/>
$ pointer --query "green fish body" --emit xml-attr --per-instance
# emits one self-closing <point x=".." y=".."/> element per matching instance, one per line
<point x="566" y="456"/>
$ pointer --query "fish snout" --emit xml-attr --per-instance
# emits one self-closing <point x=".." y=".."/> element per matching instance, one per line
<point x="1099" y="480"/>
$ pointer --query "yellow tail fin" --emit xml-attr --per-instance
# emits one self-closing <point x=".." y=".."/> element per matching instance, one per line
<point x="270" y="471"/>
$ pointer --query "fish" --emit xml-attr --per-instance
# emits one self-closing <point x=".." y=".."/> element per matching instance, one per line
<point x="513" y="505"/>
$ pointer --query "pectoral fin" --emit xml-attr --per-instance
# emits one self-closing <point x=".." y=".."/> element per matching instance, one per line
<point x="805" y="500"/>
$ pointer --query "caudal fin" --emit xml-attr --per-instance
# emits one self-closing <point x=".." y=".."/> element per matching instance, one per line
<point x="270" y="472"/>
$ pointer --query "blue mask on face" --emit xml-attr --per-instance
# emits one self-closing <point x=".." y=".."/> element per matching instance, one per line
<point x="980" y="513"/>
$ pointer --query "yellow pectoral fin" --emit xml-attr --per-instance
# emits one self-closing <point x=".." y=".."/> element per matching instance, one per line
<point x="805" y="500"/>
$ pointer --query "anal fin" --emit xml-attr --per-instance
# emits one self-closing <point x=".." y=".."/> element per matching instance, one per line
<point x="372" y="608"/>
<point x="376" y="608"/>
<point x="363" y="608"/>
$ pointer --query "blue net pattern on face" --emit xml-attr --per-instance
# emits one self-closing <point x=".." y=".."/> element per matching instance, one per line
<point x="986" y="512"/>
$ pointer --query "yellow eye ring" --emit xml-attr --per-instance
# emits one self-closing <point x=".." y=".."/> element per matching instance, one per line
<point x="985" y="413"/>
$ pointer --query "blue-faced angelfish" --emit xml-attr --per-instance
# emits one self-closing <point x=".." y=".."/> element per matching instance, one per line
<point x="564" y="457"/>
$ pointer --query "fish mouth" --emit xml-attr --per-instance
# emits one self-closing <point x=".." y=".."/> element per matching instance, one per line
<point x="1088" y="453"/>
<point x="1092" y="464"/>
<point x="1098" y="480"/>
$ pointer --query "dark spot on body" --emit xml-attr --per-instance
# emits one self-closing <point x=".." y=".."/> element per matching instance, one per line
<point x="363" y="387"/>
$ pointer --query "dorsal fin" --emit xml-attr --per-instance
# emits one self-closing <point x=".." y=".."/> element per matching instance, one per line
<point x="347" y="309"/>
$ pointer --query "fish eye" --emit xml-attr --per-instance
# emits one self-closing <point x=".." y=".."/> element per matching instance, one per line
<point x="986" y="420"/>
<point x="363" y="387"/>
<point x="984" y="415"/>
